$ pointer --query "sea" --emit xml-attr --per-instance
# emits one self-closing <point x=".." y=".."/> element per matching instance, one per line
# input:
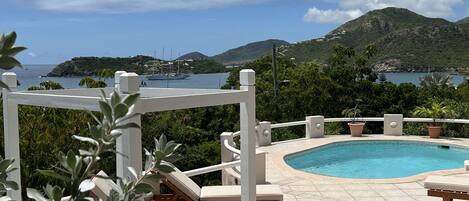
<point x="32" y="75"/>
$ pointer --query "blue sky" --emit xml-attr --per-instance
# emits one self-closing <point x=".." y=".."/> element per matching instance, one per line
<point x="57" y="30"/>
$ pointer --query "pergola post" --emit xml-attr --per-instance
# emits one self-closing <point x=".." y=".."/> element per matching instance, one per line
<point x="117" y="79"/>
<point x="11" y="133"/>
<point x="130" y="143"/>
<point x="247" y="79"/>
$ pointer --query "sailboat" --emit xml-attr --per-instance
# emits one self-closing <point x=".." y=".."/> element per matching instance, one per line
<point x="169" y="76"/>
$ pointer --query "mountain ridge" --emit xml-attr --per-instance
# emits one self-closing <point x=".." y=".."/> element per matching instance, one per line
<point x="248" y="52"/>
<point x="406" y="41"/>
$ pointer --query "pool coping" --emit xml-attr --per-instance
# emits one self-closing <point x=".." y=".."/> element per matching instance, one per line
<point x="278" y="156"/>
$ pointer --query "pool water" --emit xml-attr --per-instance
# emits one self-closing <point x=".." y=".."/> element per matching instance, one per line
<point x="378" y="159"/>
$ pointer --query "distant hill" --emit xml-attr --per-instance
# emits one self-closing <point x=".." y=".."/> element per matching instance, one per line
<point x="80" y="66"/>
<point x="84" y="66"/>
<point x="405" y="40"/>
<point x="193" y="56"/>
<point x="463" y="21"/>
<point x="248" y="52"/>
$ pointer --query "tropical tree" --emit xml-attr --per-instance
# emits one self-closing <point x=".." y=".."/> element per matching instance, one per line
<point x="436" y="80"/>
<point x="89" y="82"/>
<point x="8" y="51"/>
<point x="105" y="74"/>
<point x="50" y="85"/>
<point x="436" y="110"/>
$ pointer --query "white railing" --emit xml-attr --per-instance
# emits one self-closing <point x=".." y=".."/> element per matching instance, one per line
<point x="430" y="120"/>
<point x="212" y="168"/>
<point x="231" y="148"/>
<point x="288" y="124"/>
<point x="329" y="120"/>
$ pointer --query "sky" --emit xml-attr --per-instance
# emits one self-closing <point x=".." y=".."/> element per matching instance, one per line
<point x="57" y="30"/>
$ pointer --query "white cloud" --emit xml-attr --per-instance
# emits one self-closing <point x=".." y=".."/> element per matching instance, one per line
<point x="429" y="8"/>
<point x="129" y="6"/>
<point x="32" y="54"/>
<point x="328" y="16"/>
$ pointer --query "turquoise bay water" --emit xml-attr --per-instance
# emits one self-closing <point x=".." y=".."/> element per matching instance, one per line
<point x="377" y="159"/>
<point x="30" y="75"/>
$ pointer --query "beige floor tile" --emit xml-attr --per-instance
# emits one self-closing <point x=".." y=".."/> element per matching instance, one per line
<point x="369" y="199"/>
<point x="416" y="192"/>
<point x="426" y="198"/>
<point x="309" y="195"/>
<point x="399" y="198"/>
<point x="362" y="193"/>
<point x="310" y="199"/>
<point x="413" y="185"/>
<point x="389" y="193"/>
<point x="301" y="183"/>
<point x="303" y="188"/>
<point x="328" y="187"/>
<point x="383" y="187"/>
<point x="342" y="195"/>
<point x="356" y="187"/>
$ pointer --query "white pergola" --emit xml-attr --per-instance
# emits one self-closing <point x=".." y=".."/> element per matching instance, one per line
<point x="151" y="100"/>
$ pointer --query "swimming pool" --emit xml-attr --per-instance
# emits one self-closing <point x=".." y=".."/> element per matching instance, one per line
<point x="378" y="159"/>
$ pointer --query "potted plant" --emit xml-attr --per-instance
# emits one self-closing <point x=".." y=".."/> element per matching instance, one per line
<point x="356" y="127"/>
<point x="435" y="111"/>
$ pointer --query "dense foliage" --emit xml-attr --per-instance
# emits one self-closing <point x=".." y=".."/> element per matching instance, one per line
<point x="248" y="52"/>
<point x="206" y="66"/>
<point x="100" y="66"/>
<point x="81" y="66"/>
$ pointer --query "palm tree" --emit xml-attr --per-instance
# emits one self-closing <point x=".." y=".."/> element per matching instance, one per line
<point x="436" y="80"/>
<point x="435" y="111"/>
<point x="105" y="74"/>
<point x="89" y="82"/>
<point x="50" y="85"/>
<point x="8" y="51"/>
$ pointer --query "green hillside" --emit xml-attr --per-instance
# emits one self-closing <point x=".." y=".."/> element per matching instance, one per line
<point x="80" y="66"/>
<point x="463" y="21"/>
<point x="248" y="52"/>
<point x="405" y="40"/>
<point x="193" y="56"/>
<point x="83" y="66"/>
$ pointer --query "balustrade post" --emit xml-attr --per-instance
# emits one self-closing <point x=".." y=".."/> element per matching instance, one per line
<point x="226" y="156"/>
<point x="393" y="124"/>
<point x="130" y="143"/>
<point x="264" y="134"/>
<point x="11" y="133"/>
<point x="260" y="167"/>
<point x="314" y="127"/>
<point x="247" y="79"/>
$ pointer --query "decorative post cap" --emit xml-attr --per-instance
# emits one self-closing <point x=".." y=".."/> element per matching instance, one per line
<point x="9" y="78"/>
<point x="129" y="83"/>
<point x="247" y="77"/>
<point x="117" y="76"/>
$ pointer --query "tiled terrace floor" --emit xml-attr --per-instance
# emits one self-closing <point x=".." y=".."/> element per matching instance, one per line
<point x="299" y="186"/>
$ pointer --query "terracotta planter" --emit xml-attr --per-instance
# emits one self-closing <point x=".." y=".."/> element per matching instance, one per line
<point x="434" y="131"/>
<point x="356" y="129"/>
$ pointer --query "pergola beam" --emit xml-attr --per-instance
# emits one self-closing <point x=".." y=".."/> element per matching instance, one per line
<point x="194" y="101"/>
<point x="151" y="100"/>
<point x="56" y="101"/>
